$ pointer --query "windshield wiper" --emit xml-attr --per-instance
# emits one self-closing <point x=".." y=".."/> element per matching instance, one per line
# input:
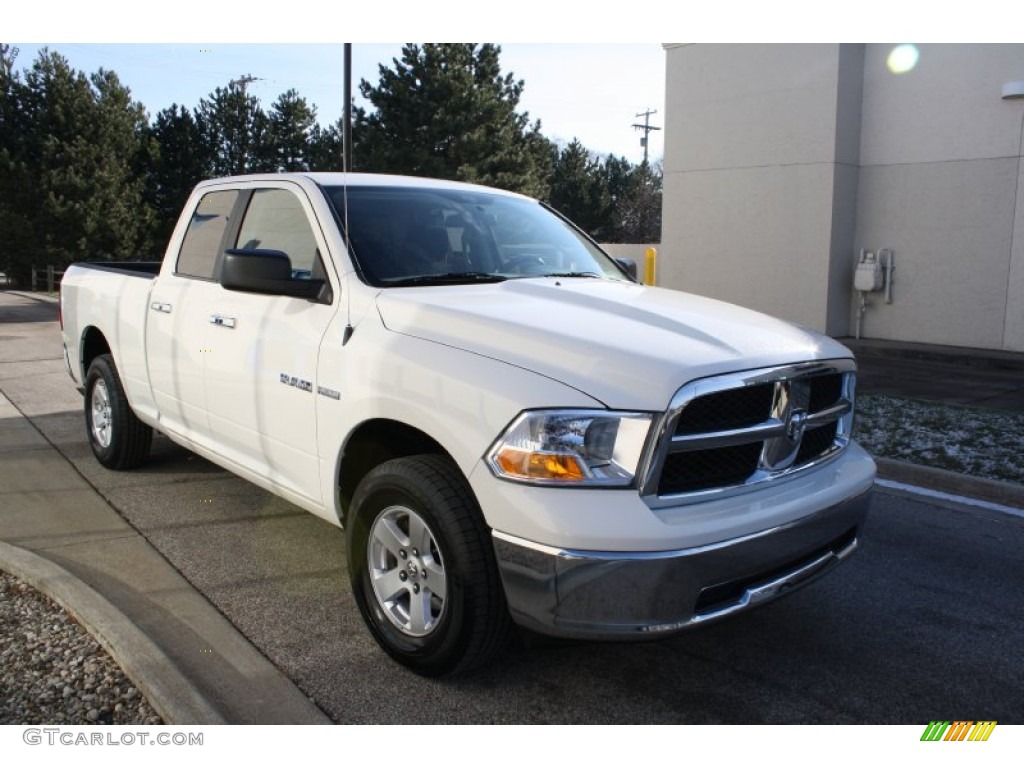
<point x="448" y="278"/>
<point x="571" y="274"/>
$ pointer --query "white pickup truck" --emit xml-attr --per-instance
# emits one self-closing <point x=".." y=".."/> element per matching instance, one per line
<point x="510" y="429"/>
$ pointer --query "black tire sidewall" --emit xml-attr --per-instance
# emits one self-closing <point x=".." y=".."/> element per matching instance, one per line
<point x="130" y="439"/>
<point x="438" y="652"/>
<point x="100" y="370"/>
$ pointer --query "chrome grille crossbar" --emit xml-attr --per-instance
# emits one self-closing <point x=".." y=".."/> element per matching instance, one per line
<point x="763" y="431"/>
<point x="695" y="465"/>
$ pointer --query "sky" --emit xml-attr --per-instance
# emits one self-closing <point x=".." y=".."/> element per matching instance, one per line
<point x="586" y="67"/>
<point x="588" y="91"/>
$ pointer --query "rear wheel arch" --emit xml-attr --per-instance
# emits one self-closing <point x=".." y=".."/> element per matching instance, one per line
<point x="92" y="345"/>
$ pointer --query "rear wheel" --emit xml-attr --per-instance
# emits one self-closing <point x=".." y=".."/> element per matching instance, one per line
<point x="422" y="567"/>
<point x="118" y="439"/>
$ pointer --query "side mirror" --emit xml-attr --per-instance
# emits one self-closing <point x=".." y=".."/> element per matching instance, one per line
<point x="260" y="270"/>
<point x="629" y="265"/>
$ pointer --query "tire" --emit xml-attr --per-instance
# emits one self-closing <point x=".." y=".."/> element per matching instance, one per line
<point x="422" y="567"/>
<point x="118" y="439"/>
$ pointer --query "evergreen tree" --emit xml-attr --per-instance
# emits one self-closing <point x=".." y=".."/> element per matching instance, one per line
<point x="579" y="190"/>
<point x="18" y="198"/>
<point x="445" y="110"/>
<point x="72" y="168"/>
<point x="640" y="209"/>
<point x="182" y="160"/>
<point x="325" y="147"/>
<point x="235" y="129"/>
<point x="290" y="122"/>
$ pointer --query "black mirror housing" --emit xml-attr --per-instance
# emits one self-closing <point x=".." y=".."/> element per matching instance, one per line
<point x="629" y="265"/>
<point x="262" y="270"/>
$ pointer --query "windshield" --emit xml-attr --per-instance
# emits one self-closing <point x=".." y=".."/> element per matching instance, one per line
<point x="401" y="236"/>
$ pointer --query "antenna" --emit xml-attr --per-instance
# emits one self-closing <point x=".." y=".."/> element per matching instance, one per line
<point x="646" y="128"/>
<point x="346" y="166"/>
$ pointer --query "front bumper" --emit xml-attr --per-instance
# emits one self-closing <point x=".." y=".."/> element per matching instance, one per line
<point x="633" y="595"/>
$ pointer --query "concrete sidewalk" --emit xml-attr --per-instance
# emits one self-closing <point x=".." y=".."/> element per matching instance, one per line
<point x="65" y="540"/>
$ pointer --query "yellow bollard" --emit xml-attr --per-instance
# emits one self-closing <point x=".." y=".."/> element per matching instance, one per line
<point x="651" y="266"/>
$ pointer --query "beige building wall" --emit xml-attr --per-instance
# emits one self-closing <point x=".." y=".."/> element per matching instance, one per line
<point x="761" y="145"/>
<point x="940" y="180"/>
<point x="783" y="161"/>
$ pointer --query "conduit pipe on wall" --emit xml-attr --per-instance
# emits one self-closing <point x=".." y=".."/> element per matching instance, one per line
<point x="873" y="273"/>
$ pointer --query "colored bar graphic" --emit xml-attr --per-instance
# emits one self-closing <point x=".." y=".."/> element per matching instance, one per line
<point x="982" y="730"/>
<point x="958" y="730"/>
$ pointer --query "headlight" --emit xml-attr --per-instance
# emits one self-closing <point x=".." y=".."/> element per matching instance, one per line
<point x="571" y="448"/>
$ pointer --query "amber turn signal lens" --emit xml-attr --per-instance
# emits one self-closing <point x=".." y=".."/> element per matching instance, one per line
<point x="530" y="465"/>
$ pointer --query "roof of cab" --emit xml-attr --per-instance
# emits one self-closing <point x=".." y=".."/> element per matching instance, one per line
<point x="362" y="180"/>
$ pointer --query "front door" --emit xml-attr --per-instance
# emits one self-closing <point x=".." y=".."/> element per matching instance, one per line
<point x="261" y="362"/>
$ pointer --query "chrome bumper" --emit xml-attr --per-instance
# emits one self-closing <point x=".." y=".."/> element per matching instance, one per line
<point x="633" y="595"/>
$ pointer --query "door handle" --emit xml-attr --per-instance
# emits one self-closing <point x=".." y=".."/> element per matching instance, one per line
<point x="223" y="322"/>
<point x="159" y="306"/>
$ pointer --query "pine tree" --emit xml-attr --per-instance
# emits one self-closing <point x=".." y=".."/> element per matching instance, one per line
<point x="579" y="190"/>
<point x="182" y="160"/>
<point x="18" y="197"/>
<point x="73" y="168"/>
<point x="290" y="132"/>
<point x="325" y="147"/>
<point x="235" y="129"/>
<point x="640" y="208"/>
<point x="445" y="110"/>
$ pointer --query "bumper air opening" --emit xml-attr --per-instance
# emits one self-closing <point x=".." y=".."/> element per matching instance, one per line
<point x="721" y="596"/>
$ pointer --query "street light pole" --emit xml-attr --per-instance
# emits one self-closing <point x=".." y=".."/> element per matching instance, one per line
<point x="346" y="149"/>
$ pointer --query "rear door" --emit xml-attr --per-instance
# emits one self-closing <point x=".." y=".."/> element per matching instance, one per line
<point x="177" y="330"/>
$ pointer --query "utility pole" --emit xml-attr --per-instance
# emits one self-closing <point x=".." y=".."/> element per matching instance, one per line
<point x="646" y="128"/>
<point x="7" y="57"/>
<point x="243" y="82"/>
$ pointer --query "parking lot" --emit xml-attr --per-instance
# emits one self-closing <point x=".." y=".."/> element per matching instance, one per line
<point x="925" y="622"/>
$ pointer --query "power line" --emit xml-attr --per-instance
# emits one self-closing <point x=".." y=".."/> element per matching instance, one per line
<point x="646" y="128"/>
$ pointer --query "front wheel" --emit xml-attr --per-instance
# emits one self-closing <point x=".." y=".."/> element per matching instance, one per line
<point x="117" y="437"/>
<point x="422" y="567"/>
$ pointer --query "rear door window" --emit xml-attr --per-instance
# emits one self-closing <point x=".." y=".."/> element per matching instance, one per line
<point x="201" y="246"/>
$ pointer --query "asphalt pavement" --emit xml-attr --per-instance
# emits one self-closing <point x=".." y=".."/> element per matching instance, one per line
<point x="110" y="549"/>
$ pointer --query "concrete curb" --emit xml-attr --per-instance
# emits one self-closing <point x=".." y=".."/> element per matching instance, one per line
<point x="173" y="697"/>
<point x="994" y="491"/>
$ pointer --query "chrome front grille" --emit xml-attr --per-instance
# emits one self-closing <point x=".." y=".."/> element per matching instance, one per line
<point x="734" y="432"/>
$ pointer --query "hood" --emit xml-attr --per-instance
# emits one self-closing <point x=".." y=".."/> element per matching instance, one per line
<point x="629" y="346"/>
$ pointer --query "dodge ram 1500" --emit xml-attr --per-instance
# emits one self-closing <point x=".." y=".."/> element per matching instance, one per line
<point x="510" y="429"/>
